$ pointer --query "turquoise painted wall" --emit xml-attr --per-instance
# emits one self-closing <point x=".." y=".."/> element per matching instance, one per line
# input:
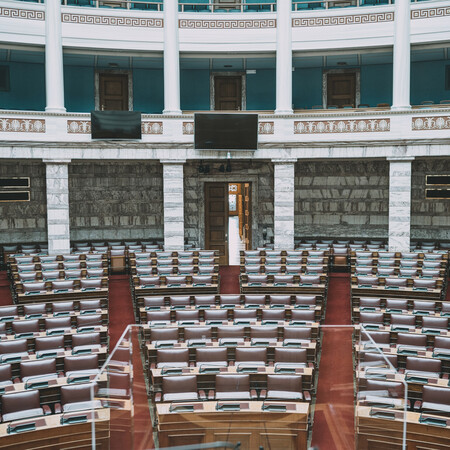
<point x="194" y="84"/>
<point x="148" y="90"/>
<point x="79" y="90"/>
<point x="376" y="84"/>
<point x="306" y="87"/>
<point x="261" y="90"/>
<point x="27" y="87"/>
<point x="428" y="81"/>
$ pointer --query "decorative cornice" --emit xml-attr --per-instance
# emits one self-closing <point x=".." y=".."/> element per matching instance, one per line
<point x="115" y="21"/>
<point x="21" y="125"/>
<point x="84" y="127"/>
<point x="266" y="128"/>
<point x="16" y="13"/>
<point x="227" y="24"/>
<point x="188" y="127"/>
<point x="430" y="13"/>
<point x="353" y="19"/>
<point x="430" y="123"/>
<point x="341" y="126"/>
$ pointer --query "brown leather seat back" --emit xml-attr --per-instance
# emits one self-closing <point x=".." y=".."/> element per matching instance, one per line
<point x="181" y="384"/>
<point x="164" y="334"/>
<point x="290" y="383"/>
<point x="232" y="383"/>
<point x="57" y="322"/>
<point x="20" y="401"/>
<point x="211" y="354"/>
<point x="49" y="343"/>
<point x="39" y="367"/>
<point x="290" y="355"/>
<point x="216" y="314"/>
<point x="419" y="340"/>
<point x="264" y="332"/>
<point x="298" y="314"/>
<point x="273" y="314"/>
<point x="297" y="333"/>
<point x="251" y="354"/>
<point x="25" y="326"/>
<point x="78" y="393"/>
<point x="245" y="314"/>
<point x="423" y="364"/>
<point x="84" y="362"/>
<point x="172" y="355"/>
<point x="197" y="333"/>
<point x="231" y="332"/>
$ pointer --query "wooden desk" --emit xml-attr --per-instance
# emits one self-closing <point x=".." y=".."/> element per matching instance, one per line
<point x="53" y="296"/>
<point x="386" y="433"/>
<point x="401" y="292"/>
<point x="254" y="288"/>
<point x="50" y="434"/>
<point x="189" y="289"/>
<point x="250" y="425"/>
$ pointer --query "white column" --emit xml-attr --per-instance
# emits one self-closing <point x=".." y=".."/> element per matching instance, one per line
<point x="54" y="77"/>
<point x="58" y="221"/>
<point x="173" y="192"/>
<point x="284" y="181"/>
<point x="284" y="58"/>
<point x="402" y="56"/>
<point x="399" y="204"/>
<point x="171" y="59"/>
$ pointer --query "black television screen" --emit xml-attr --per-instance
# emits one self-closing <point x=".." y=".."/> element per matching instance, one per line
<point x="231" y="131"/>
<point x="116" y="125"/>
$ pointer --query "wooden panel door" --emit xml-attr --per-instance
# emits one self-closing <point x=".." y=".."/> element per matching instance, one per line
<point x="216" y="219"/>
<point x="113" y="91"/>
<point x="341" y="89"/>
<point x="227" y="93"/>
<point x="247" y="216"/>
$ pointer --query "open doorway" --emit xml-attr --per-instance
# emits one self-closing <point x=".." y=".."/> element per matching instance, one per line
<point x="228" y="220"/>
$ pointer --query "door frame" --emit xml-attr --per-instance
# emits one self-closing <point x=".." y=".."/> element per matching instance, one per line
<point x="113" y="72"/>
<point x="212" y="88"/>
<point x="228" y="178"/>
<point x="325" y="73"/>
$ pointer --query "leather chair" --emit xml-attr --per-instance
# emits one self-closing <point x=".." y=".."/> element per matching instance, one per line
<point x="63" y="286"/>
<point x="62" y="308"/>
<point x="78" y="397"/>
<point x="411" y="342"/>
<point x="273" y="315"/>
<point x="163" y="337"/>
<point x="363" y="270"/>
<point x="22" y="405"/>
<point x="37" y="371"/>
<point x="273" y="253"/>
<point x="206" y="270"/>
<point x="94" y="273"/>
<point x="233" y="387"/>
<point x="154" y="302"/>
<point x="424" y="307"/>
<point x="303" y="315"/>
<point x="2" y="329"/>
<point x="382" y="393"/>
<point x="13" y="350"/>
<point x="204" y="301"/>
<point x="94" y="265"/>
<point x="72" y="274"/>
<point x="149" y="281"/>
<point x="81" y="367"/>
<point x="381" y="338"/>
<point x="244" y="316"/>
<point x="215" y="315"/>
<point x="395" y="282"/>
<point x="187" y="317"/>
<point x="206" y="261"/>
<point x="290" y="358"/>
<point x="85" y="343"/>
<point x="179" y="301"/>
<point x="273" y="269"/>
<point x="408" y="273"/>
<point x="426" y="264"/>
<point x="196" y="336"/>
<point x="48" y="346"/>
<point x="45" y="266"/>
<point x="430" y="273"/>
<point x="253" y="260"/>
<point x="279" y="300"/>
<point x="441" y="345"/>
<point x="179" y="389"/>
<point x="230" y="300"/>
<point x="172" y="358"/>
<point x="34" y="310"/>
<point x="23" y="328"/>
<point x="367" y="281"/>
<point x="166" y="270"/>
<point x="158" y="317"/>
<point x="423" y="367"/>
<point x="58" y="325"/>
<point x="90" y="306"/>
<point x="435" y="400"/>
<point x="211" y="358"/>
<point x="376" y="361"/>
<point x="408" y="264"/>
<point x="402" y="321"/>
<point x="264" y="335"/>
<point x="119" y="386"/>
<point x="386" y="272"/>
<point x="257" y="301"/>
<point x="176" y="281"/>
<point x="283" y="280"/>
<point x="305" y="300"/>
<point x="90" y="284"/>
<point x="293" y="261"/>
<point x="257" y="280"/>
<point x="394" y="304"/>
<point x="89" y="322"/>
<point x="424" y="284"/>
<point x="249" y="358"/>
<point x="368" y="303"/>
<point x="364" y="262"/>
<point x="8" y="313"/>
<point x="6" y="377"/>
<point x="306" y="280"/>
<point x="295" y="336"/>
<point x="284" y="387"/>
<point x="434" y="323"/>
<point x="231" y="335"/>
<point x="37" y="287"/>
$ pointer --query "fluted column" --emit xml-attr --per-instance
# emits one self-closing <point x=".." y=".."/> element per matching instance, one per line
<point x="58" y="221"/>
<point x="399" y="204"/>
<point x="284" y="58"/>
<point x="173" y="192"/>
<point x="54" y="76"/>
<point x="402" y="56"/>
<point x="284" y="182"/>
<point x="171" y="59"/>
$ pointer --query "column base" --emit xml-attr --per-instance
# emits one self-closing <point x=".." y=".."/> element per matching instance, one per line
<point x="54" y="109"/>
<point x="401" y="108"/>
<point x="284" y="111"/>
<point x="173" y="112"/>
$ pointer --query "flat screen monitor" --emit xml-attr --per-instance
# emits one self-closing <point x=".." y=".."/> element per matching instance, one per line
<point x="229" y="131"/>
<point x="116" y="125"/>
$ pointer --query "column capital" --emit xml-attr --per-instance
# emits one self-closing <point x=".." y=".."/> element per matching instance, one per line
<point x="400" y="158"/>
<point x="57" y="161"/>
<point x="284" y="160"/>
<point x="172" y="161"/>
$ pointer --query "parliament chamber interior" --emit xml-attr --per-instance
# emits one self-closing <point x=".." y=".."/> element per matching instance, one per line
<point x="224" y="224"/>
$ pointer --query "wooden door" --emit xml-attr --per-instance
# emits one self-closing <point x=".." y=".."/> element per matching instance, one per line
<point x="341" y="89"/>
<point x="247" y="216"/>
<point x="216" y="219"/>
<point x="113" y="91"/>
<point x="227" y="93"/>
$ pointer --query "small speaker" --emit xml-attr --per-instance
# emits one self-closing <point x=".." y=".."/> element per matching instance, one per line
<point x="4" y="78"/>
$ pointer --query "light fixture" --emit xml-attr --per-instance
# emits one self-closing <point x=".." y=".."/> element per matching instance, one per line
<point x="228" y="168"/>
<point x="113" y="65"/>
<point x="250" y="71"/>
<point x="228" y="66"/>
<point x="341" y="63"/>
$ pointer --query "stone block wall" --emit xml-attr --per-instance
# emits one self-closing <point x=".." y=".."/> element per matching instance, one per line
<point x="116" y="200"/>
<point x="341" y="199"/>
<point x="430" y="218"/>
<point x="258" y="173"/>
<point x="23" y="222"/>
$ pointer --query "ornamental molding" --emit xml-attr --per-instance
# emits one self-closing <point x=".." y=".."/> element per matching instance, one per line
<point x="8" y="125"/>
<point x="226" y="24"/>
<point x="115" y="21"/>
<point x="430" y="13"/>
<point x="430" y="123"/>
<point x="84" y="127"/>
<point x="354" y="19"/>
<point x="342" y="126"/>
<point x="266" y="128"/>
<point x="188" y="127"/>
<point x="15" y="13"/>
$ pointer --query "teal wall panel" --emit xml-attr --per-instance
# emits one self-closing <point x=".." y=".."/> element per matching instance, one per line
<point x="261" y="90"/>
<point x="148" y="90"/>
<point x="307" y="87"/>
<point x="376" y="84"/>
<point x="195" y="89"/>
<point x="79" y="88"/>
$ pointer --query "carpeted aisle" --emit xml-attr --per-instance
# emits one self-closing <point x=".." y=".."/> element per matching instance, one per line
<point x="229" y="279"/>
<point x="334" y="411"/>
<point x="5" y="292"/>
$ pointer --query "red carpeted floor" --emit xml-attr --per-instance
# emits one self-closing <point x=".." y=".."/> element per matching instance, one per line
<point x="5" y="292"/>
<point x="334" y="412"/>
<point x="229" y="280"/>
